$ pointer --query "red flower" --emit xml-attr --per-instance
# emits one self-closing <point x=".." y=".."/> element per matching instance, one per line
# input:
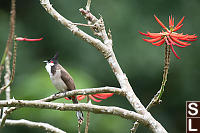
<point x="26" y="39"/>
<point x="170" y="36"/>
<point x="100" y="96"/>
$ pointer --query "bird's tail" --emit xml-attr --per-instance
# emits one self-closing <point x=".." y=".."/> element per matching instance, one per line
<point x="79" y="114"/>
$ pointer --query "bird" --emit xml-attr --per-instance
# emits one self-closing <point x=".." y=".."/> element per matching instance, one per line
<point x="62" y="80"/>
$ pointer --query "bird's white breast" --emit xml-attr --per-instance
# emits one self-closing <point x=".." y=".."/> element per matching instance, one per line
<point x="56" y="79"/>
<point x="58" y="82"/>
<point x="48" y="68"/>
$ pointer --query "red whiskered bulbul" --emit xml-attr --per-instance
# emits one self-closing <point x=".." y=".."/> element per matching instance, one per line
<point x="62" y="80"/>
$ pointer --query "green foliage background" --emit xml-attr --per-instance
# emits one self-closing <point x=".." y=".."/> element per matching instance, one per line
<point x="142" y="62"/>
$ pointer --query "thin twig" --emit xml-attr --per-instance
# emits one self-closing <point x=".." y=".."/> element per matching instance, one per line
<point x="13" y="69"/>
<point x="7" y="81"/>
<point x="88" y="5"/>
<point x="88" y="116"/>
<point x="107" y="89"/>
<point x="79" y="127"/>
<point x="7" y="112"/>
<point x="7" y="76"/>
<point x="87" y="122"/>
<point x="1" y="69"/>
<point x="75" y="30"/>
<point x="166" y="69"/>
<point x="45" y="126"/>
<point x="157" y="98"/>
<point x="86" y="25"/>
<point x="10" y="37"/>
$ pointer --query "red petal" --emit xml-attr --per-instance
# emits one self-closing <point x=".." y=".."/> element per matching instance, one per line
<point x="170" y="22"/>
<point x="187" y="39"/>
<point x="192" y="36"/>
<point x="177" y="28"/>
<point x="172" y="42"/>
<point x="180" y="42"/>
<point x="152" y="40"/>
<point x="103" y="95"/>
<point x="26" y="39"/>
<point x="66" y="98"/>
<point x="80" y="97"/>
<point x="164" y="27"/>
<point x="174" y="51"/>
<point x="94" y="99"/>
<point x="159" y="43"/>
<point x="154" y="35"/>
<point x="180" y="22"/>
<point x="144" y="34"/>
<point x="178" y="36"/>
<point x="184" y="37"/>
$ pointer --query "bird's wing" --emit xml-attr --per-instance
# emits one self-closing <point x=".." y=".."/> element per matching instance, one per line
<point x="65" y="76"/>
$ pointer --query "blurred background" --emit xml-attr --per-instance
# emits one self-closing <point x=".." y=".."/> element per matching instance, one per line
<point x="141" y="61"/>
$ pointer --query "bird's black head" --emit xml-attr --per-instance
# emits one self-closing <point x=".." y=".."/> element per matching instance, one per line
<point x="53" y="60"/>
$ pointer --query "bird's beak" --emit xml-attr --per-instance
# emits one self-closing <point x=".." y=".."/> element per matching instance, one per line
<point x="45" y="61"/>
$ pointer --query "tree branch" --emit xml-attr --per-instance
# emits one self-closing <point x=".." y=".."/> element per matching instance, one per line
<point x="47" y="127"/>
<point x="67" y="94"/>
<point x="117" y="91"/>
<point x="87" y="7"/>
<point x="73" y="28"/>
<point x="76" y="107"/>
<point x="111" y="58"/>
<point x="8" y="82"/>
<point x="7" y="78"/>
<point x="10" y="37"/>
<point x="157" y="98"/>
<point x="7" y="112"/>
<point x="88" y="116"/>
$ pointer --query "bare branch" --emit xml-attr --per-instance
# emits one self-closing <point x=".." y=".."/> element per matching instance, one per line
<point x="157" y="98"/>
<point x="76" y="107"/>
<point x="7" y="76"/>
<point x="85" y="92"/>
<point x="10" y="37"/>
<point x="88" y="15"/>
<point x="99" y="24"/>
<point x="8" y="81"/>
<point x="121" y="77"/>
<point x="47" y="127"/>
<point x="86" y="25"/>
<point x="88" y="116"/>
<point x="73" y="28"/>
<point x="67" y="94"/>
<point x="88" y="5"/>
<point x="6" y="113"/>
